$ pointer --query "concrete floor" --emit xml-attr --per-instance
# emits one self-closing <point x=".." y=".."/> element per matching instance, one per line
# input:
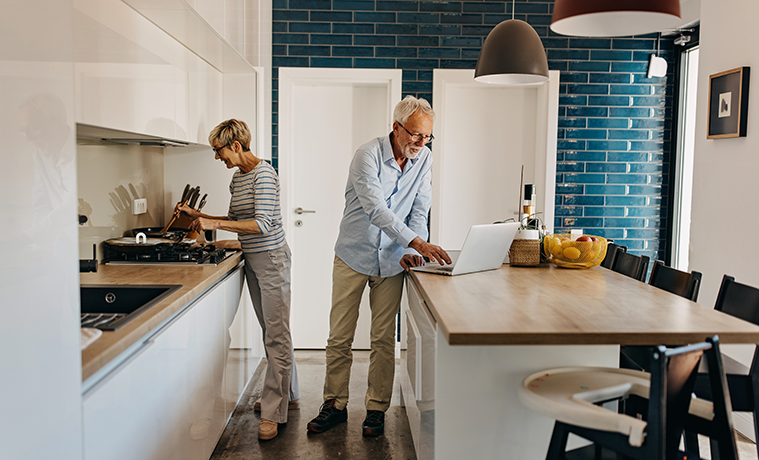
<point x="240" y="438"/>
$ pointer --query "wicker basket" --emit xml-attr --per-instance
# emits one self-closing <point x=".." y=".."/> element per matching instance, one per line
<point x="524" y="253"/>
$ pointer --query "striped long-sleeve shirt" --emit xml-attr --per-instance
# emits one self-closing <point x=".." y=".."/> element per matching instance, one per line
<point x="255" y="196"/>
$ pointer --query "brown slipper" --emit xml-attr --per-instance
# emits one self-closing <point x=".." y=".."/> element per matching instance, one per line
<point x="267" y="430"/>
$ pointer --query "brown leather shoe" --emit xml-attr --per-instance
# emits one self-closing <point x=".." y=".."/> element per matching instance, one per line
<point x="292" y="405"/>
<point x="267" y="430"/>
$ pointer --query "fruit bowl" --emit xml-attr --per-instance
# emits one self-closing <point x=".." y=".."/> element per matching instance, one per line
<point x="581" y="253"/>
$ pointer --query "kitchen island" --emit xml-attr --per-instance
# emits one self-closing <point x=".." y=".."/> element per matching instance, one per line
<point x="472" y="339"/>
<point x="164" y="385"/>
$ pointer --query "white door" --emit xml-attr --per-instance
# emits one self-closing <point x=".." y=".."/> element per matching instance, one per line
<point x="484" y="134"/>
<point x="324" y="116"/>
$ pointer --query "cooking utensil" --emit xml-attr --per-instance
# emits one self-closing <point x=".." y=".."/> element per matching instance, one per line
<point x="175" y="234"/>
<point x="129" y="245"/>
<point x="176" y="214"/>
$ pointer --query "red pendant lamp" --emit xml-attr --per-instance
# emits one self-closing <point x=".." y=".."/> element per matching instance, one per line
<point x="614" y="18"/>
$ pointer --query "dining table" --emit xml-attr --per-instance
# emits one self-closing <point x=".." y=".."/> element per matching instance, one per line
<point x="492" y="329"/>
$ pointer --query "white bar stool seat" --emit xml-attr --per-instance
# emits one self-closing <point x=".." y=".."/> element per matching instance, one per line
<point x="571" y="395"/>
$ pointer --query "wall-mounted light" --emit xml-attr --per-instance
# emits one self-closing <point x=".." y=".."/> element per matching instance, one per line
<point x="614" y="18"/>
<point x="512" y="54"/>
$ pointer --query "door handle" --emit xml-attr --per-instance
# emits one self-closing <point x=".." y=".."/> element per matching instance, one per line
<point x="300" y="210"/>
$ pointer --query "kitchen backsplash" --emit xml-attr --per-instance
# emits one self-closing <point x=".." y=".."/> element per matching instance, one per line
<point x="110" y="178"/>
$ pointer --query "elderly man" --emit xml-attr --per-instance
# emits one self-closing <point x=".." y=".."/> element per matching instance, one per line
<point x="383" y="232"/>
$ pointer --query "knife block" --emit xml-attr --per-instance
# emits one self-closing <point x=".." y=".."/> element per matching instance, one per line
<point x="182" y="222"/>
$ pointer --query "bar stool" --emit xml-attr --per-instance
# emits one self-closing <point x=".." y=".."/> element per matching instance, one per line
<point x="572" y="396"/>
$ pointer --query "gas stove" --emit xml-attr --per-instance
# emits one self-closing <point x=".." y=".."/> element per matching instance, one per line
<point x="171" y="254"/>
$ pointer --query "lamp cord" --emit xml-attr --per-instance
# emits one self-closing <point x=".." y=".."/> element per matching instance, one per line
<point x="658" y="38"/>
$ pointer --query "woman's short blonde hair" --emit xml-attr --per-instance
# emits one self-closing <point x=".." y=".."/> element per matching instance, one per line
<point x="229" y="131"/>
<point x="409" y="106"/>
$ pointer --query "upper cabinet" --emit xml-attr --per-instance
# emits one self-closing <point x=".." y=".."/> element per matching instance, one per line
<point x="158" y="69"/>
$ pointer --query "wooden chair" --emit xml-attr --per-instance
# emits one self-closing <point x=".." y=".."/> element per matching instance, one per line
<point x="611" y="254"/>
<point x="631" y="265"/>
<point x="741" y="301"/>
<point x="672" y="280"/>
<point x="675" y="281"/>
<point x="572" y="395"/>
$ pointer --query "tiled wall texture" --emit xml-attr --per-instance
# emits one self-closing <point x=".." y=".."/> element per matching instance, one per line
<point x="614" y="123"/>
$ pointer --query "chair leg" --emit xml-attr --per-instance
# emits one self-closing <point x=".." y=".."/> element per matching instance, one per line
<point x="557" y="446"/>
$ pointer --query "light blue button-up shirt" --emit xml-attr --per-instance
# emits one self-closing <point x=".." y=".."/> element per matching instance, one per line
<point x="385" y="208"/>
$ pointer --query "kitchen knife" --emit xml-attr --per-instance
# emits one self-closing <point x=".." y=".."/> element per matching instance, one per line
<point x="194" y="197"/>
<point x="202" y="202"/>
<point x="184" y="194"/>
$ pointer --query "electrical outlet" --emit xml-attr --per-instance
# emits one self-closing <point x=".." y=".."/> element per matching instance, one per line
<point x="140" y="206"/>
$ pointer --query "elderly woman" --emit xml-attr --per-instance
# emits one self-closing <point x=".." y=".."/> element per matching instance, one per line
<point x="254" y="214"/>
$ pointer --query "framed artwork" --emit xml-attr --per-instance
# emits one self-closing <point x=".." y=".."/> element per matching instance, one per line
<point x="728" y="104"/>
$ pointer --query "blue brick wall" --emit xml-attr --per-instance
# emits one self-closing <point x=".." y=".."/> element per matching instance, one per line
<point x="614" y="123"/>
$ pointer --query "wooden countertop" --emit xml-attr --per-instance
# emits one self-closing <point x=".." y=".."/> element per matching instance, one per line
<point x="193" y="278"/>
<point x="551" y="305"/>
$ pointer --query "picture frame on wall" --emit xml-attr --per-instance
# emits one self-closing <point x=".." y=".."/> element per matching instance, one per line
<point x="728" y="104"/>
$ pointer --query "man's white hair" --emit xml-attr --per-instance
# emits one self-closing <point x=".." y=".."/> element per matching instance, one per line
<point x="409" y="106"/>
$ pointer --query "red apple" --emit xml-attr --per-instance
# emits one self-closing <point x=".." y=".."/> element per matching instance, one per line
<point x="584" y="238"/>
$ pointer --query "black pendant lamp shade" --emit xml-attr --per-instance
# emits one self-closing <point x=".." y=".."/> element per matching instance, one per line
<point x="512" y="55"/>
<point x="614" y="18"/>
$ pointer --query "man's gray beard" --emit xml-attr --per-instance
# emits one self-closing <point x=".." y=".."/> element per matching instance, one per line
<point x="409" y="153"/>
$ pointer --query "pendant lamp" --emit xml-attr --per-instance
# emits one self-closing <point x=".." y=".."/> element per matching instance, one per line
<point x="614" y="18"/>
<point x="512" y="55"/>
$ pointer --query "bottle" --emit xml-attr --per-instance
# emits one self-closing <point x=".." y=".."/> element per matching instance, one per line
<point x="528" y="206"/>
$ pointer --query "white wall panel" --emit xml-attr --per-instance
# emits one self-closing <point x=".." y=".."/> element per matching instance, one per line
<point x="39" y="296"/>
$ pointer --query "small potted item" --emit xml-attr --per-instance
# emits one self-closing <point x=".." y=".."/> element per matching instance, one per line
<point x="525" y="249"/>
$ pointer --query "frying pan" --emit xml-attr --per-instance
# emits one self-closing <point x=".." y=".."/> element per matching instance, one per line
<point x="175" y="234"/>
<point x="129" y="245"/>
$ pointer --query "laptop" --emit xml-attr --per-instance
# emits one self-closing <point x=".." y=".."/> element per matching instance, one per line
<point x="485" y="248"/>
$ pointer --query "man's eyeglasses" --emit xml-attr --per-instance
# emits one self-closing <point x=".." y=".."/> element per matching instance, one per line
<point x="418" y="137"/>
<point x="216" y="151"/>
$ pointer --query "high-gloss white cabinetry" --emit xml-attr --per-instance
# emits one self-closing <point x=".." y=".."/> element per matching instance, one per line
<point x="132" y="76"/>
<point x="169" y="399"/>
<point x="418" y="371"/>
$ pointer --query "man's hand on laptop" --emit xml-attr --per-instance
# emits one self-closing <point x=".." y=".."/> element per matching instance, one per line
<point x="410" y="260"/>
<point x="430" y="251"/>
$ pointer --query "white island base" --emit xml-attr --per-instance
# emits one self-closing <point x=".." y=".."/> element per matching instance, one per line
<point x="477" y="409"/>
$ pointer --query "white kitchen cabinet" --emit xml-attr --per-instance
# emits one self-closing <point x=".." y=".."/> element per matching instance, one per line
<point x="204" y="84"/>
<point x="124" y="71"/>
<point x="167" y="400"/>
<point x="418" y="371"/>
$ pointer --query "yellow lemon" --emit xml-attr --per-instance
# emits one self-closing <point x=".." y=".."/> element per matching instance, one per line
<point x="571" y="253"/>
<point x="557" y="250"/>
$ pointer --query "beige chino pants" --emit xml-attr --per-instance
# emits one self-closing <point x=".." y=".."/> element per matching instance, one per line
<point x="385" y="300"/>
<point x="268" y="276"/>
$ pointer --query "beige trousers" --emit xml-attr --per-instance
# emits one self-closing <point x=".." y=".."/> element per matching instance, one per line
<point x="385" y="300"/>
<point x="268" y="276"/>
